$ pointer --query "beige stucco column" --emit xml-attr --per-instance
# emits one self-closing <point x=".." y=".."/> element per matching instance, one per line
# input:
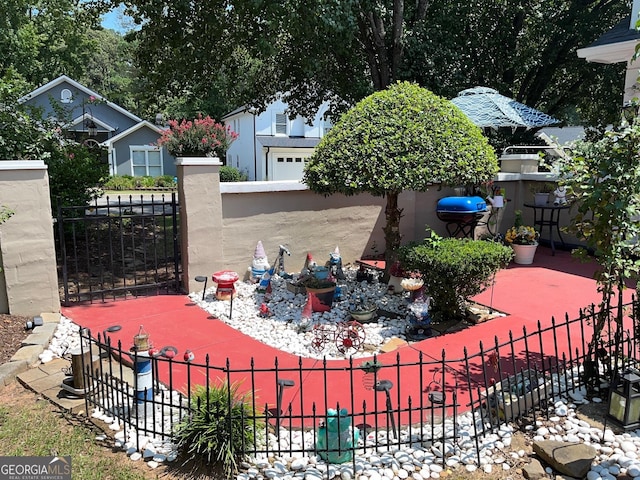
<point x="200" y="219"/>
<point x="26" y="241"/>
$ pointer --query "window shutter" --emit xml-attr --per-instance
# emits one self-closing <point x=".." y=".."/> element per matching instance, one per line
<point x="281" y="124"/>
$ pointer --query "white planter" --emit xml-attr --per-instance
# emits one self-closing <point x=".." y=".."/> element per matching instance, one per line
<point x="524" y="253"/>
<point x="520" y="162"/>
<point x="540" y="199"/>
<point x="497" y="201"/>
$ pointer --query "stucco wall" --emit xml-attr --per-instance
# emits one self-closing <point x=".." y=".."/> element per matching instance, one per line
<point x="200" y="218"/>
<point x="304" y="222"/>
<point x="26" y="240"/>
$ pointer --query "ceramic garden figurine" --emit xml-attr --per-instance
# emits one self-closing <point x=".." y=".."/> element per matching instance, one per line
<point x="335" y="265"/>
<point x="260" y="263"/>
<point x="336" y="435"/>
<point x="560" y="195"/>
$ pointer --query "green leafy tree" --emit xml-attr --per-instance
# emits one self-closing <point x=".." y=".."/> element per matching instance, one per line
<point x="23" y="135"/>
<point x="343" y="51"/>
<point x="43" y="39"/>
<point x="110" y="70"/>
<point x="403" y="138"/>
<point x="604" y="179"/>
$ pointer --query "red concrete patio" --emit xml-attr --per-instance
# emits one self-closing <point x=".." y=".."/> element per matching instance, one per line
<point x="552" y="287"/>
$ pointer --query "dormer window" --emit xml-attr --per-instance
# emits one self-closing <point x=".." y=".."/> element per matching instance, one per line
<point x="281" y="124"/>
<point x="66" y="96"/>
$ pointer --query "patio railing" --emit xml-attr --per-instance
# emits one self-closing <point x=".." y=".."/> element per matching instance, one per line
<point x="394" y="404"/>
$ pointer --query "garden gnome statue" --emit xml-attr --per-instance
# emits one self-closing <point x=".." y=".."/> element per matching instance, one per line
<point x="265" y="283"/>
<point x="337" y="438"/>
<point x="309" y="264"/>
<point x="560" y="195"/>
<point x="335" y="265"/>
<point x="260" y="263"/>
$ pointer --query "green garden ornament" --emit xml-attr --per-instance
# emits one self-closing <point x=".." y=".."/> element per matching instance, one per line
<point x="337" y="438"/>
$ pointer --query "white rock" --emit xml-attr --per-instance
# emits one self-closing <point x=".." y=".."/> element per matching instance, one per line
<point x="633" y="470"/>
<point x="299" y="463"/>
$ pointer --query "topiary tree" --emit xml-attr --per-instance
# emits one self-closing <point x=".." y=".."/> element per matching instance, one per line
<point x="402" y="138"/>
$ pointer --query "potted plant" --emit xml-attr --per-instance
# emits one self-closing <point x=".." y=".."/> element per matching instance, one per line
<point x="541" y="192"/>
<point x="201" y="137"/>
<point x="319" y="290"/>
<point x="362" y="310"/>
<point x="523" y="240"/>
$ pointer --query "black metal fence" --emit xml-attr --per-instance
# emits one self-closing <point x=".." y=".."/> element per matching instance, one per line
<point x="418" y="399"/>
<point x="118" y="248"/>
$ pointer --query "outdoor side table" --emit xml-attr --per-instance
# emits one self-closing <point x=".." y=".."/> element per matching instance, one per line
<point x="548" y="216"/>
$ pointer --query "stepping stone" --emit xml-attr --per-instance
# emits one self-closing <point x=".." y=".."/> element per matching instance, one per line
<point x="573" y="459"/>
<point x="534" y="470"/>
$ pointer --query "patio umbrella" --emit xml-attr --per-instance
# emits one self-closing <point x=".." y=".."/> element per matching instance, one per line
<point x="487" y="108"/>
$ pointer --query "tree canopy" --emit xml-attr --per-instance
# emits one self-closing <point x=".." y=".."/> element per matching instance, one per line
<point x="344" y="50"/>
<point x="402" y="138"/>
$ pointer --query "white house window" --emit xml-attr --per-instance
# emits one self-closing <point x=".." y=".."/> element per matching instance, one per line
<point x="146" y="161"/>
<point x="326" y="126"/>
<point x="66" y="96"/>
<point x="281" y="124"/>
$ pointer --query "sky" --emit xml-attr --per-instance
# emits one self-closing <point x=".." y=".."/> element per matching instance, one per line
<point x="115" y="20"/>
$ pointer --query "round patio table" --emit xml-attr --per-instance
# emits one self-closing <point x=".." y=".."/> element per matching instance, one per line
<point x="548" y="215"/>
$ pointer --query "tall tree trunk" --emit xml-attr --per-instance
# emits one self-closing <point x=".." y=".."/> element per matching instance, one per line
<point x="392" y="236"/>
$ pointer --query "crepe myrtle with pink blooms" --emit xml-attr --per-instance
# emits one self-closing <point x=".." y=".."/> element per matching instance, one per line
<point x="201" y="137"/>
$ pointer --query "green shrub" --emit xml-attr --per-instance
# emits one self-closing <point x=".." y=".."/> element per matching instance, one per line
<point x="165" y="181"/>
<point x="119" y="183"/>
<point x="454" y="269"/>
<point x="231" y="174"/>
<point x="145" y="182"/>
<point x="76" y="174"/>
<point x="221" y="426"/>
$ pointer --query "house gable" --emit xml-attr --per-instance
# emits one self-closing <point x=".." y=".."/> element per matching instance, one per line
<point x="270" y="145"/>
<point x="64" y="84"/>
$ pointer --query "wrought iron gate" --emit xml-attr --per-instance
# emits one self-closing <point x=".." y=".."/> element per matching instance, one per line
<point x="118" y="248"/>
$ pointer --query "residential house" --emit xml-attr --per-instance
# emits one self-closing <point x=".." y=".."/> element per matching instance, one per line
<point x="616" y="46"/>
<point x="270" y="145"/>
<point x="93" y="120"/>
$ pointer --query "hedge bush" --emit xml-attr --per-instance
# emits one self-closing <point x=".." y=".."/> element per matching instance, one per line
<point x="231" y="174"/>
<point x="454" y="269"/>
